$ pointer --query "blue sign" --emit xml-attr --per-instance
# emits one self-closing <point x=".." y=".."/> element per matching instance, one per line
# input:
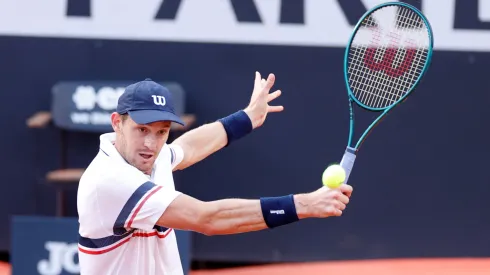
<point x="88" y="105"/>
<point x="49" y="246"/>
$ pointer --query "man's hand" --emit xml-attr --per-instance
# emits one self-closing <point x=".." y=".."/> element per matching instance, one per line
<point x="323" y="202"/>
<point x="258" y="107"/>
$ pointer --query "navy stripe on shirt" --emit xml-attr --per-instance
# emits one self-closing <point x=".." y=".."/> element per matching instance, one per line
<point x="102" y="242"/>
<point x="172" y="155"/>
<point x="130" y="205"/>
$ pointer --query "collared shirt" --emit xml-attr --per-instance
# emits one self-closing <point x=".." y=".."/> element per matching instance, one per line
<point x="118" y="207"/>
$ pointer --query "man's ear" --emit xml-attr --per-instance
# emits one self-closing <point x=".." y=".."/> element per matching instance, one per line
<point x="116" y="121"/>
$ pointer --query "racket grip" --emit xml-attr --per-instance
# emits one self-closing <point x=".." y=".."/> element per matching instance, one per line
<point x="348" y="162"/>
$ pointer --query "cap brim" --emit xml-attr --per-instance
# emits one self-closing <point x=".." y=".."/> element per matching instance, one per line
<point x="150" y="116"/>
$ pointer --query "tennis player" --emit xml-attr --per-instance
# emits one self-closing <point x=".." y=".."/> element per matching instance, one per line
<point x="127" y="202"/>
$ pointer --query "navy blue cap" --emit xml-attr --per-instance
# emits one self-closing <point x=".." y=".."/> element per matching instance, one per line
<point x="146" y="102"/>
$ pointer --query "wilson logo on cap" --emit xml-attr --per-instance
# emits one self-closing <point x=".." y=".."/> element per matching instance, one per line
<point x="159" y="100"/>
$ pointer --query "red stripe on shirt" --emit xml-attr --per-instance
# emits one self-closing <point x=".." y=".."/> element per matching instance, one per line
<point x="145" y="235"/>
<point x="98" y="252"/>
<point x="141" y="205"/>
<point x="136" y="234"/>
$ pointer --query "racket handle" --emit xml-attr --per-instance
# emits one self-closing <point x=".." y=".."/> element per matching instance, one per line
<point x="348" y="162"/>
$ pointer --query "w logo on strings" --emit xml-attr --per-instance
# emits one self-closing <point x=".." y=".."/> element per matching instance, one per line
<point x="159" y="100"/>
<point x="390" y="55"/>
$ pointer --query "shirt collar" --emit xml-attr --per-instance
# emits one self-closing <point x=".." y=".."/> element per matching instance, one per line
<point x="107" y="146"/>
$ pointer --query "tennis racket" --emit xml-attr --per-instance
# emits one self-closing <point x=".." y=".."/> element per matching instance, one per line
<point x="388" y="53"/>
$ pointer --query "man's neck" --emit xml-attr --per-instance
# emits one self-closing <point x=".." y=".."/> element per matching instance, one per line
<point x="148" y="173"/>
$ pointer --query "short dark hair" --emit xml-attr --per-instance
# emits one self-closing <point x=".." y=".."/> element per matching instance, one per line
<point x="124" y="117"/>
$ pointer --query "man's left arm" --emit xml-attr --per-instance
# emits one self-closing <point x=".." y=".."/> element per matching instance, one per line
<point x="205" y="140"/>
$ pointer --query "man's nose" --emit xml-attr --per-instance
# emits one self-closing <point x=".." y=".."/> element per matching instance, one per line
<point x="150" y="142"/>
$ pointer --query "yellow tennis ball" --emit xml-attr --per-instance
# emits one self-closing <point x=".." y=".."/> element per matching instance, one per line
<point x="333" y="176"/>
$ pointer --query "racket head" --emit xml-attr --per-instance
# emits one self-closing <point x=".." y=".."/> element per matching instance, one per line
<point x="387" y="55"/>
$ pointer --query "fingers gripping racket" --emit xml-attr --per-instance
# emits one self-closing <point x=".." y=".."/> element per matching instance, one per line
<point x="388" y="53"/>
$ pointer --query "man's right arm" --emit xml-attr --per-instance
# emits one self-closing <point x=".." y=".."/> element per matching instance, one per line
<point x="233" y="216"/>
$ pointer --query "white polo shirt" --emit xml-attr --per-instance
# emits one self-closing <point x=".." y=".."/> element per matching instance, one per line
<point x="118" y="206"/>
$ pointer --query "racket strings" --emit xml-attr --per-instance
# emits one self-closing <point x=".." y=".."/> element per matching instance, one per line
<point x="389" y="95"/>
<point x="383" y="66"/>
<point x="401" y="84"/>
<point x="407" y="19"/>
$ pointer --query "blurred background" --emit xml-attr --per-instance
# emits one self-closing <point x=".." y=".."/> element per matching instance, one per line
<point x="421" y="181"/>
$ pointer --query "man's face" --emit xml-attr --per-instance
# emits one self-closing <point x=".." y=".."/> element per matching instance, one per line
<point x="140" y="144"/>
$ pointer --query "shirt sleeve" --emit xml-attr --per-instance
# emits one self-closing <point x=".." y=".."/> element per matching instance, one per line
<point x="176" y="155"/>
<point x="128" y="200"/>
